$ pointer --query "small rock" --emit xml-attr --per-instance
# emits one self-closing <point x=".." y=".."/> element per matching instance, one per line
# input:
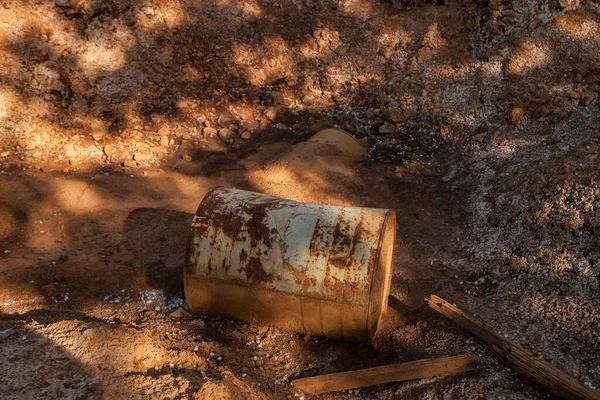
<point x="281" y="126"/>
<point x="49" y="290"/>
<point x="533" y="25"/>
<point x="246" y="135"/>
<point x="164" y="141"/>
<point x="164" y="131"/>
<point x="224" y="120"/>
<point x="517" y="115"/>
<point x="362" y="79"/>
<point x="226" y="134"/>
<point x="129" y="163"/>
<point x="5" y="154"/>
<point x="583" y="70"/>
<point x="209" y="132"/>
<point x="262" y="332"/>
<point x="179" y="313"/>
<point x="5" y="334"/>
<point x="575" y="95"/>
<point x="143" y="156"/>
<point x="249" y="124"/>
<point x="186" y="157"/>
<point x="271" y="113"/>
<point x="386" y="129"/>
<point x="587" y="100"/>
<point x="109" y="150"/>
<point x="142" y="145"/>
<point x="98" y="130"/>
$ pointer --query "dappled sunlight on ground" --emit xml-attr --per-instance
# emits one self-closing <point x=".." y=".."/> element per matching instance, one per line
<point x="116" y="117"/>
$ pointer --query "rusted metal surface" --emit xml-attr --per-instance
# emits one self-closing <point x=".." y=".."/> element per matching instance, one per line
<point x="323" y="253"/>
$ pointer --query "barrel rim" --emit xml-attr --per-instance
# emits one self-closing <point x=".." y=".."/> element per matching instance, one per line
<point x="374" y="316"/>
<point x="188" y="249"/>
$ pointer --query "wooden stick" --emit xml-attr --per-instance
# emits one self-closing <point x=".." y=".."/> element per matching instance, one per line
<point x="385" y="374"/>
<point x="539" y="371"/>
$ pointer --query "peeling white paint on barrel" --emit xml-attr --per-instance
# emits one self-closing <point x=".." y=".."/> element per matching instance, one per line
<point x="319" y="269"/>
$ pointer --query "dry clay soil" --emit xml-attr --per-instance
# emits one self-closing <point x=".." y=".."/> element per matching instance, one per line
<point x="116" y="117"/>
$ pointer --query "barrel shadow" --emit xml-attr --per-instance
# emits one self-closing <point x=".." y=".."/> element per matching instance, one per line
<point x="157" y="238"/>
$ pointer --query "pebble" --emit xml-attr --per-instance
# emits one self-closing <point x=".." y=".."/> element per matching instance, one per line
<point x="179" y="313"/>
<point x="209" y="132"/>
<point x="534" y="24"/>
<point x="98" y="130"/>
<point x="517" y="115"/>
<point x="5" y="154"/>
<point x="164" y="131"/>
<point x="49" y="290"/>
<point x="575" y="95"/>
<point x="386" y="129"/>
<point x="5" y="334"/>
<point x="246" y="135"/>
<point x="226" y="134"/>
<point x="281" y="126"/>
<point x="271" y="113"/>
<point x="164" y="141"/>
<point x="143" y="156"/>
<point x="109" y="150"/>
<point x="186" y="157"/>
<point x="224" y="120"/>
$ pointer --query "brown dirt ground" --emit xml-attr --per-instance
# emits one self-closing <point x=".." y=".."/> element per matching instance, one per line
<point x="116" y="117"/>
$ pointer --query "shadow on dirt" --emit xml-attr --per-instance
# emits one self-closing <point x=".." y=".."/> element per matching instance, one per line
<point x="34" y="367"/>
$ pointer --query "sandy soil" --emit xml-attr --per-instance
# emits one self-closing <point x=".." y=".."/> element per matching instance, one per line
<point x="482" y="119"/>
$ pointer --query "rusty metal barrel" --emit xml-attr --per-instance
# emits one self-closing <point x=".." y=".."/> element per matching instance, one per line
<point x="318" y="269"/>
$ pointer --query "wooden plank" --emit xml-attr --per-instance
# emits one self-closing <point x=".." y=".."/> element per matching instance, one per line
<point x="385" y="374"/>
<point x="539" y="371"/>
